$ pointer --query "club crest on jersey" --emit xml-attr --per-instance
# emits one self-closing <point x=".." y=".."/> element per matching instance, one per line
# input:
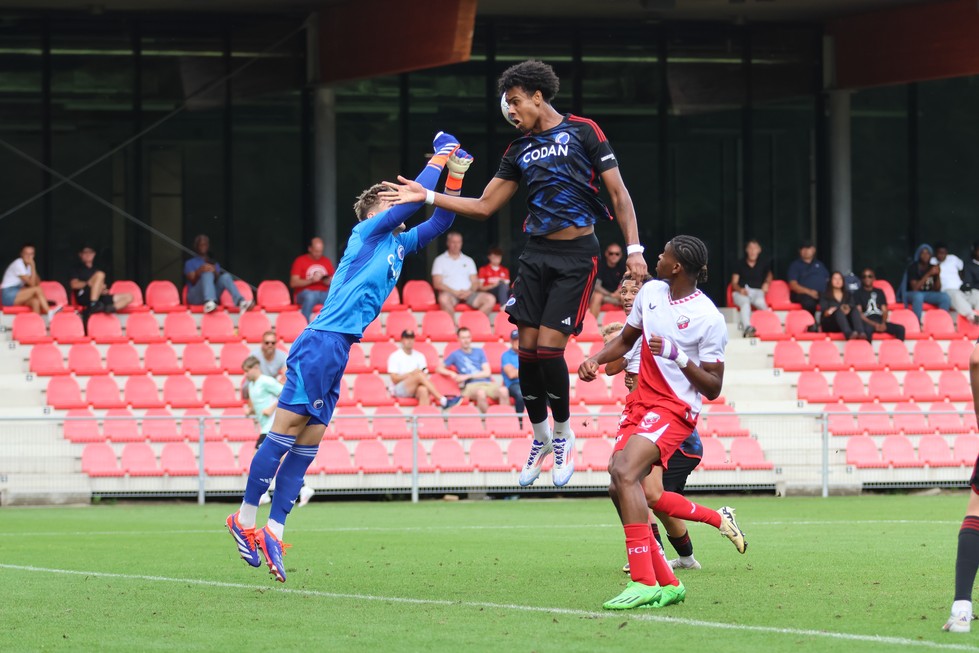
<point x="545" y="152"/>
<point x="401" y="252"/>
<point x="511" y="301"/>
<point x="562" y="138"/>
<point x="682" y="322"/>
<point x="648" y="420"/>
<point x="318" y="404"/>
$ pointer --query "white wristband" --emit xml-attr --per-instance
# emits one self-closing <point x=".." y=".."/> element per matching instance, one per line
<point x="681" y="359"/>
<point x="429" y="197"/>
<point x="635" y="249"/>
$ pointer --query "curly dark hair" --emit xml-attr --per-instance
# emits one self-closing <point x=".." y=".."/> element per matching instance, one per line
<point x="531" y="76"/>
<point x="691" y="253"/>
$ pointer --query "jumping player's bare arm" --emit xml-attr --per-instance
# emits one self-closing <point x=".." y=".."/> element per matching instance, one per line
<point x="625" y="214"/>
<point x="497" y="193"/>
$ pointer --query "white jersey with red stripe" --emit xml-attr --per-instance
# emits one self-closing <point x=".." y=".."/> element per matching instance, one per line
<point x="694" y="325"/>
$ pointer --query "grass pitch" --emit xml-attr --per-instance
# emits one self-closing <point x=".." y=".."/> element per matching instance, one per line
<point x="844" y="574"/>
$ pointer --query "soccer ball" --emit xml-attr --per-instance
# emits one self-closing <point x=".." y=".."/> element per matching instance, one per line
<point x="505" y="109"/>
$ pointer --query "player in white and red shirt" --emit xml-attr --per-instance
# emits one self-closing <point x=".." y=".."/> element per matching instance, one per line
<point x="683" y="340"/>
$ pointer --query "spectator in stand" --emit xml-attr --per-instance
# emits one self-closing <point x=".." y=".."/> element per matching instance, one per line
<point x="455" y="280"/>
<point x="749" y="283"/>
<point x="494" y="278"/>
<point x="871" y="305"/>
<point x="310" y="278"/>
<point x="970" y="278"/>
<point x="21" y="285"/>
<point x="510" y="365"/>
<point x="206" y="280"/>
<point x="409" y="374"/>
<point x="951" y="266"/>
<point x="924" y="282"/>
<point x="88" y="284"/>
<point x="607" y="278"/>
<point x="468" y="367"/>
<point x="838" y="312"/>
<point x="271" y="359"/>
<point x="807" y="277"/>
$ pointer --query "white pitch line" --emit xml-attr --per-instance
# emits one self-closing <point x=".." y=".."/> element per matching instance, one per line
<point x="637" y="616"/>
<point x="426" y="529"/>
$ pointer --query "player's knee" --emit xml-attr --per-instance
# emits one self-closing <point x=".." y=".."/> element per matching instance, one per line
<point x="974" y="361"/>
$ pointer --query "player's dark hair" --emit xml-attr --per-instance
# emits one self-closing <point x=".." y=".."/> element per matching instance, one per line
<point x="628" y="277"/>
<point x="691" y="253"/>
<point x="531" y="76"/>
<point x="366" y="201"/>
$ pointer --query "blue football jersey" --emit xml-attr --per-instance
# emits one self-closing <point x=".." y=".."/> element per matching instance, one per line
<point x="561" y="166"/>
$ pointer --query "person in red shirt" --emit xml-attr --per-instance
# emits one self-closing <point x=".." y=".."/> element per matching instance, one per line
<point x="494" y="278"/>
<point x="310" y="278"/>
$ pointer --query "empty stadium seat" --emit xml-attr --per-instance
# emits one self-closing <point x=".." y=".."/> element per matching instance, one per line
<point x="518" y="451"/>
<point x="479" y="325"/>
<point x="589" y="329"/>
<point x="67" y="329"/>
<point x="873" y="419"/>
<point x="380" y="353"/>
<point x="198" y="358"/>
<point x="790" y="357"/>
<point x="99" y="460"/>
<point x="944" y="418"/>
<point x="233" y="354"/>
<point x="105" y="329"/>
<point x="502" y="326"/>
<point x="595" y="454"/>
<point x="715" y="455"/>
<point x="370" y="390"/>
<point x="419" y="296"/>
<point x="85" y="360"/>
<point x="953" y="386"/>
<point x="217" y="327"/>
<point x="859" y="355"/>
<point x="178" y="459"/>
<point x="351" y="423"/>
<point x="63" y="393"/>
<point x="46" y="360"/>
<point x="908" y="419"/>
<point x="889" y="295"/>
<point x="390" y="423"/>
<point x="486" y="456"/>
<point x="615" y="315"/>
<point x="159" y="425"/>
<point x="466" y="422"/>
<point x="573" y="356"/>
<point x="160" y="358"/>
<point x="746" y="453"/>
<point x="403" y="455"/>
<point x="141" y="392"/>
<point x="919" y="387"/>
<point x="138" y="459"/>
<point x="81" y="426"/>
<point x="884" y="387"/>
<point x="399" y="321"/>
<point x="371" y="457"/>
<point x="841" y="421"/>
<point x="608" y="422"/>
<point x="219" y="460"/>
<point x="861" y="451"/>
<point x="928" y="355"/>
<point x="55" y="293"/>
<point x="179" y="392"/>
<point x="102" y="392"/>
<point x="967" y="328"/>
<point x="591" y="393"/>
<point x="585" y="425"/>
<point x="893" y="355"/>
<point x="966" y="449"/>
<point x="938" y="324"/>
<point x="162" y="297"/>
<point x="333" y="457"/>
<point x="907" y="319"/>
<point x="934" y="451"/>
<point x="959" y="352"/>
<point x="119" y="425"/>
<point x="180" y="327"/>
<point x="218" y="391"/>
<point x="29" y="329"/>
<point x="494" y="353"/>
<point x="191" y="422"/>
<point x="122" y="359"/>
<point x="393" y="301"/>
<point x="825" y="356"/>
<point x="898" y="452"/>
<point x="122" y="286"/>
<point x="431" y="422"/>
<point x="252" y="325"/>
<point x="723" y="421"/>
<point x="374" y="333"/>
<point x="142" y="328"/>
<point x="447" y="455"/>
<point x="289" y="324"/>
<point x="273" y="297"/>
<point x="235" y="426"/>
<point x="502" y="422"/>
<point x="767" y="326"/>
<point x="778" y="295"/>
<point x="245" y="454"/>
<point x="848" y="387"/>
<point x="797" y="323"/>
<point x="437" y="326"/>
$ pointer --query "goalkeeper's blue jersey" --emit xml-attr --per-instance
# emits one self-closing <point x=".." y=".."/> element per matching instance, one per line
<point x="561" y="166"/>
<point x="369" y="269"/>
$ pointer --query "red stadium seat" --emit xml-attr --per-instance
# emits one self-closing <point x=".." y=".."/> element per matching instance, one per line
<point x="893" y="355"/>
<point x="160" y="430"/>
<point x="63" y="393"/>
<point x="933" y="451"/>
<point x="81" y="426"/>
<point x="861" y="451"/>
<point x="122" y="359"/>
<point x="722" y="421"/>
<point x="790" y="357"/>
<point x="390" y="423"/>
<point x="615" y="315"/>
<point x="431" y="354"/>
<point x="486" y="456"/>
<point x="444" y="384"/>
<point x="431" y="422"/>
<point x="403" y="453"/>
<point x="178" y="459"/>
<point x="967" y="328"/>
<point x="841" y="421"/>
<point x="99" y="460"/>
<point x="797" y="323"/>
<point x="502" y="326"/>
<point x="105" y="329"/>
<point x="814" y="388"/>
<point x="219" y="460"/>
<point x="380" y="352"/>
<point x="595" y="454"/>
<point x="907" y="319"/>
<point x="119" y="425"/>
<point x="333" y="457"/>
<point x="573" y="356"/>
<point x="351" y="423"/>
<point x="252" y="325"/>
<point x="502" y="422"/>
<point x="102" y="392"/>
<point x="289" y="324"/>
<point x="199" y="359"/>
<point x="67" y="328"/>
<point x="244" y="289"/>
<point x="825" y="356"/>
<point x="494" y="353"/>
<point x="889" y="295"/>
<point x="848" y="387"/>
<point x="371" y="457"/>
<point x="419" y="296"/>
<point x="883" y="387"/>
<point x="944" y="418"/>
<point x="919" y="387"/>
<point x="141" y="392"/>
<point x="859" y="355"/>
<point x="393" y="301"/>
<point x="179" y="392"/>
<point x="162" y="297"/>
<point x="437" y="326"/>
<point x="219" y="392"/>
<point x="928" y="355"/>
<point x="160" y="358"/>
<point x="591" y="393"/>
<point x="190" y="425"/>
<point x="123" y="286"/>
<point x="777" y="296"/>
<point x="181" y="328"/>
<point x="585" y="425"/>
<point x="959" y="352"/>
<point x="953" y="386"/>
<point x="30" y="329"/>
<point x="55" y="293"/>
<point x="589" y="330"/>
<point x="908" y="419"/>
<point x="518" y="451"/>
<point x="767" y="326"/>
<point x="938" y="324"/>
<point x="873" y="419"/>
<point x="370" y="390"/>
<point x="46" y="360"/>
<point x="466" y="422"/>
<point x="232" y="356"/>
<point x="897" y="451"/>
<point x="245" y="454"/>
<point x="218" y="327"/>
<point x="479" y="325"/>
<point x="374" y="333"/>
<point x="273" y="297"/>
<point x="715" y="455"/>
<point x="142" y="328"/>
<point x="399" y="321"/>
<point x="746" y="453"/>
<point x="966" y="449"/>
<point x="138" y="459"/>
<point x="448" y="456"/>
<point x="235" y="426"/>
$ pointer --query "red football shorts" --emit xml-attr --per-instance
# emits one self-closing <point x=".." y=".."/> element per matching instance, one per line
<point x="661" y="427"/>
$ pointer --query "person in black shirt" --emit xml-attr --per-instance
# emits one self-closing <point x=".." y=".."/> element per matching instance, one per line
<point x="90" y="289"/>
<point x="838" y="312"/>
<point x="749" y="283"/>
<point x="925" y="283"/>
<point x="607" y="279"/>
<point x="871" y="305"/>
<point x="970" y="279"/>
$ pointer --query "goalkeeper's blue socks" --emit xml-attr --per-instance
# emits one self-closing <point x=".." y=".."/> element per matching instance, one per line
<point x="260" y="474"/>
<point x="288" y="482"/>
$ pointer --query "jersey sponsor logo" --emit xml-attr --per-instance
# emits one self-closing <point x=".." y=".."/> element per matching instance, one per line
<point x="566" y="321"/>
<point x="648" y="420"/>
<point x="511" y="301"/>
<point x="682" y="322"/>
<point x="545" y="152"/>
<point x="393" y="271"/>
<point x="607" y="157"/>
<point x="318" y="404"/>
<point x="638" y="550"/>
<point x="562" y="138"/>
